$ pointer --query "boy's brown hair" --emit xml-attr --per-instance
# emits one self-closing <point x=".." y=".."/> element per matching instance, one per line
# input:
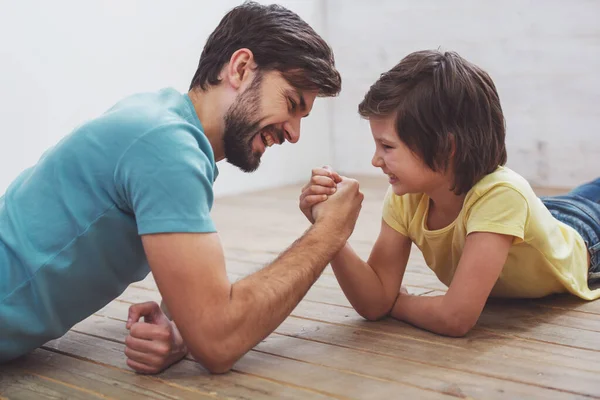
<point x="447" y="110"/>
<point x="279" y="39"/>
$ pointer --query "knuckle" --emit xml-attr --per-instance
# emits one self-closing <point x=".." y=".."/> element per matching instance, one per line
<point x="164" y="334"/>
<point x="163" y="350"/>
<point x="135" y="330"/>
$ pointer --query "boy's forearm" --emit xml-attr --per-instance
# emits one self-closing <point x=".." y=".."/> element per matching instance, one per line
<point x="430" y="313"/>
<point x="360" y="284"/>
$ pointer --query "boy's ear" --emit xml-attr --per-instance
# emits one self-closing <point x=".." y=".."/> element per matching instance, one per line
<point x="452" y="147"/>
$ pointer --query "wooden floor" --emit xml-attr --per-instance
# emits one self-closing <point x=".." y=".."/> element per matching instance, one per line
<point x="548" y="349"/>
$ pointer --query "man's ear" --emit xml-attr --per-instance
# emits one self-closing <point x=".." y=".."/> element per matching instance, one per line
<point x="238" y="72"/>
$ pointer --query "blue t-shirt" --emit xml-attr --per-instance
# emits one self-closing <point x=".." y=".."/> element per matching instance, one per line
<point x="70" y="226"/>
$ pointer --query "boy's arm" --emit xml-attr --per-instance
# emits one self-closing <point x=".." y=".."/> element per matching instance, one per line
<point x="455" y="313"/>
<point x="373" y="286"/>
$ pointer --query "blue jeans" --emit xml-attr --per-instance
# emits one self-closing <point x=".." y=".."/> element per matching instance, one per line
<point x="580" y="209"/>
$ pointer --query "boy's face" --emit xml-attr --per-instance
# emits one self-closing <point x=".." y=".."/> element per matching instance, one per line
<point x="268" y="112"/>
<point x="406" y="171"/>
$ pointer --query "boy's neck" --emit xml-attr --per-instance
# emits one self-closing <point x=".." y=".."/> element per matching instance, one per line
<point x="446" y="201"/>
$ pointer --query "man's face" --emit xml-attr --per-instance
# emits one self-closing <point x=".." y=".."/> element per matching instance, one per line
<point x="268" y="112"/>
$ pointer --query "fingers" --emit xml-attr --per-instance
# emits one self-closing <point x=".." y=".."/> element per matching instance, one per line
<point x="143" y="330"/>
<point x="148" y="347"/>
<point x="141" y="367"/>
<point x="308" y="201"/>
<point x="149" y="352"/>
<point x="320" y="180"/>
<point x="333" y="175"/>
<point x="323" y="171"/>
<point x="139" y="310"/>
<point x="147" y="359"/>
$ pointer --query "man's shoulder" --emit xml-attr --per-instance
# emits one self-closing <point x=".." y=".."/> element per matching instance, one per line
<point x="139" y="113"/>
<point x="165" y="120"/>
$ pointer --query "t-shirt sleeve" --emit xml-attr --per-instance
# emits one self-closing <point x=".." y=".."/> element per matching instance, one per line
<point x="166" y="180"/>
<point x="501" y="210"/>
<point x="394" y="214"/>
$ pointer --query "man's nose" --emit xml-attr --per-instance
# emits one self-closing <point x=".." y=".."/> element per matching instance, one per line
<point x="292" y="131"/>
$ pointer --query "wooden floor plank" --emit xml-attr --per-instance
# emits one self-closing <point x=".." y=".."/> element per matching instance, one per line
<point x="525" y="363"/>
<point x="478" y="340"/>
<point x="493" y="337"/>
<point x="545" y="348"/>
<point x="510" y="367"/>
<point x="323" y="380"/>
<point x="453" y="382"/>
<point x="25" y="385"/>
<point x="100" y="380"/>
<point x="186" y="374"/>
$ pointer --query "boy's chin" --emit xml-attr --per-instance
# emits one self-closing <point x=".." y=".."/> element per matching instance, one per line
<point x="400" y="189"/>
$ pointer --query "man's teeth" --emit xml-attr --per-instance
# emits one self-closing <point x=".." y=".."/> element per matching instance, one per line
<point x="268" y="139"/>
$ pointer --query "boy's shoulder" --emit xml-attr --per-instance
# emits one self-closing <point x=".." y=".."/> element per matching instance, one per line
<point x="501" y="177"/>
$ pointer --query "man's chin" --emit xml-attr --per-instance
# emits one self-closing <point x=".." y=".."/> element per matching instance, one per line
<point x="246" y="166"/>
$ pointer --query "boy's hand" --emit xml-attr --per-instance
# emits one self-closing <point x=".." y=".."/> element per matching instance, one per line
<point x="154" y="344"/>
<point x="341" y="210"/>
<point x="322" y="184"/>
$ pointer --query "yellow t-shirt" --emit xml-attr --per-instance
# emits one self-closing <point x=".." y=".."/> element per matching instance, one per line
<point x="546" y="257"/>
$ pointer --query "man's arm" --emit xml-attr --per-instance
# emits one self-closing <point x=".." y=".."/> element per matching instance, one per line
<point x="456" y="312"/>
<point x="220" y="321"/>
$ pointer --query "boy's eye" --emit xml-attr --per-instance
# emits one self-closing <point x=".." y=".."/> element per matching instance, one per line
<point x="385" y="146"/>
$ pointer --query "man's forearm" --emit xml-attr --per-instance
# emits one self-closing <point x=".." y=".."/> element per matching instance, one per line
<point x="261" y="301"/>
<point x="360" y="284"/>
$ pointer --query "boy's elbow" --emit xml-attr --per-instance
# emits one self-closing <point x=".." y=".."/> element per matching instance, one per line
<point x="458" y="327"/>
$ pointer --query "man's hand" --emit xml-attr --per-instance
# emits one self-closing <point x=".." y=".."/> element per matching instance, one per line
<point x="154" y="344"/>
<point x="323" y="183"/>
<point x="341" y="209"/>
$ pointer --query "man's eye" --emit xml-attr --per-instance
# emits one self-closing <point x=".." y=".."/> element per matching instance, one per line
<point x="293" y="105"/>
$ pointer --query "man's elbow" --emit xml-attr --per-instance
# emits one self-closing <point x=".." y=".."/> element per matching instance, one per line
<point x="216" y="359"/>
<point x="373" y="313"/>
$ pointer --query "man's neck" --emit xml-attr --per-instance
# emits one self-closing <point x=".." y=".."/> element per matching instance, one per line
<point x="210" y="111"/>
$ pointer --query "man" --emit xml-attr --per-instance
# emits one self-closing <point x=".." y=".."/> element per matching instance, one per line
<point x="131" y="191"/>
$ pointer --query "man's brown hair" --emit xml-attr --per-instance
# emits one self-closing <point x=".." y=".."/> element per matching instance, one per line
<point x="447" y="110"/>
<point x="279" y="40"/>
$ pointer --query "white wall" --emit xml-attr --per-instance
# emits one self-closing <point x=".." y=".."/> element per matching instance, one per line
<point x="65" y="61"/>
<point x="544" y="56"/>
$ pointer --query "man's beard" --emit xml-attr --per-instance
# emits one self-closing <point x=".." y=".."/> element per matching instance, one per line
<point x="240" y="129"/>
